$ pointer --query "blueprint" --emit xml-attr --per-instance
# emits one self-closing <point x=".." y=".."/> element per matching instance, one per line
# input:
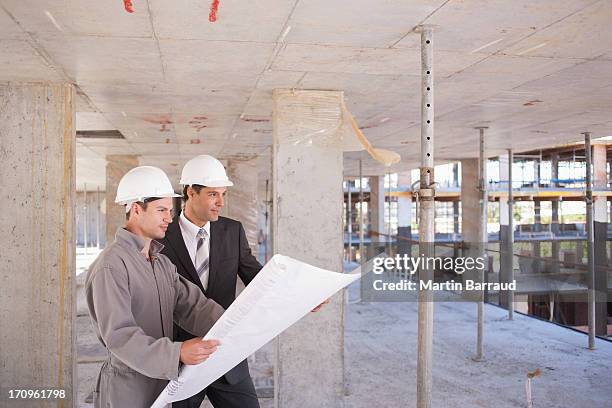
<point x="283" y="292"/>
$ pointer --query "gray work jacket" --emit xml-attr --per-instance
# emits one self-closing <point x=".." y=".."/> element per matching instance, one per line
<point x="133" y="303"/>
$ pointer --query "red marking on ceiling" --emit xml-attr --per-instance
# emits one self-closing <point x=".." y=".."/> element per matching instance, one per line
<point x="163" y="121"/>
<point x="531" y="103"/>
<point x="127" y="4"/>
<point x="198" y="123"/>
<point x="214" y="7"/>
<point x="367" y="127"/>
<point x="255" y="120"/>
<point x="167" y="141"/>
<point x="194" y="141"/>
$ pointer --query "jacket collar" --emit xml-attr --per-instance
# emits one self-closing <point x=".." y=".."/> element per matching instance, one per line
<point x="190" y="227"/>
<point x="130" y="240"/>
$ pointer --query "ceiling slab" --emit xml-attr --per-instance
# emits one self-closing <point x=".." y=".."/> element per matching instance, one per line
<point x="32" y="67"/>
<point x="583" y="34"/>
<point x="105" y="60"/>
<point x="177" y="85"/>
<point x="358" y="23"/>
<point x="238" y="21"/>
<point x="375" y="61"/>
<point x="80" y="17"/>
<point x="486" y="27"/>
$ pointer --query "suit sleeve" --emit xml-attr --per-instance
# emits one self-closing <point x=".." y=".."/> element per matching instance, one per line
<point x="193" y="311"/>
<point x="248" y="266"/>
<point x="155" y="358"/>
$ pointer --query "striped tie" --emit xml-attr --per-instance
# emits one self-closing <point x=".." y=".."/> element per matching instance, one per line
<point x="201" y="258"/>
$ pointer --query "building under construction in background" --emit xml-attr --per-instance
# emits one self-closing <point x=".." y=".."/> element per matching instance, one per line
<point x="350" y="129"/>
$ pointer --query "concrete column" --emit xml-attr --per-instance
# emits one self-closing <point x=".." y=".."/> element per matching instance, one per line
<point x="537" y="227"/>
<point x="556" y="246"/>
<point x="471" y="233"/>
<point x="307" y="165"/>
<point x="470" y="215"/>
<point x="349" y="221"/>
<point x="116" y="167"/>
<point x="506" y="258"/>
<point x="404" y="214"/>
<point x="554" y="227"/>
<point x="600" y="182"/>
<point x="241" y="199"/>
<point x="377" y="207"/>
<point x="600" y="229"/>
<point x="37" y="266"/>
<point x="471" y="230"/>
<point x="456" y="209"/>
<point x="503" y="200"/>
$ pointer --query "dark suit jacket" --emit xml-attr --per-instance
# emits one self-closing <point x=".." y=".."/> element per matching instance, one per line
<point x="230" y="258"/>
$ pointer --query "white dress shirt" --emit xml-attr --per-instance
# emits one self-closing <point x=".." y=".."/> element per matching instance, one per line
<point x="190" y="231"/>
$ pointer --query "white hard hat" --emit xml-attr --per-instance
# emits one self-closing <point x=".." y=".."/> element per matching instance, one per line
<point x="143" y="182"/>
<point x="206" y="171"/>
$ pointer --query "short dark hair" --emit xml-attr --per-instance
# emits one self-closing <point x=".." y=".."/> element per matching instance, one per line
<point x="196" y="187"/>
<point x="144" y="203"/>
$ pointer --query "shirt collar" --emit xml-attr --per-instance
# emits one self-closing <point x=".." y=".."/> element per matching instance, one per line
<point x="126" y="238"/>
<point x="190" y="227"/>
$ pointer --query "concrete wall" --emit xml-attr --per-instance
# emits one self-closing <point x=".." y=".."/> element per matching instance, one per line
<point x="37" y="268"/>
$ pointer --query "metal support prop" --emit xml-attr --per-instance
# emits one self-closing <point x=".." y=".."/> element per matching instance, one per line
<point x="425" y="199"/>
<point x="389" y="214"/>
<point x="361" y="213"/>
<point x="482" y="237"/>
<point x="267" y="222"/>
<point x="85" y="219"/>
<point x="99" y="208"/>
<point x="349" y="225"/>
<point x="590" y="241"/>
<point x="510" y="239"/>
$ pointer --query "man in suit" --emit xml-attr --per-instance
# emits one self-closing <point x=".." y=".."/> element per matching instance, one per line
<point x="212" y="252"/>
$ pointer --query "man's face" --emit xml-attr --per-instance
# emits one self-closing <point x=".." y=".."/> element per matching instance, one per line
<point x="153" y="222"/>
<point x="206" y="204"/>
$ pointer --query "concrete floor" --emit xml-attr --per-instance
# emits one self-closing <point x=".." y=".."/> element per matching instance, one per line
<point x="381" y="359"/>
<point x="380" y="344"/>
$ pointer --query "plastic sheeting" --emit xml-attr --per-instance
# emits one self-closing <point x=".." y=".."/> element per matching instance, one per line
<point x="283" y="292"/>
<point x="321" y="121"/>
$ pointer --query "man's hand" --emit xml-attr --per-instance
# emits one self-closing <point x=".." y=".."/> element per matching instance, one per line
<point x="316" y="309"/>
<point x="196" y="350"/>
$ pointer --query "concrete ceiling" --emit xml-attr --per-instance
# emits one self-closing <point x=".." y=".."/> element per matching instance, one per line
<point x="536" y="72"/>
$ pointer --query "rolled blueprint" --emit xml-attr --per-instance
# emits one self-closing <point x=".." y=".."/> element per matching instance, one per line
<point x="283" y="292"/>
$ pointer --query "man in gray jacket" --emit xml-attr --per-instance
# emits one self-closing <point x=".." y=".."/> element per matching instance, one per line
<point x="134" y="295"/>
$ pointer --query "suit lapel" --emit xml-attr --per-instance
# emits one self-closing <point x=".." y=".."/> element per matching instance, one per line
<point x="217" y="234"/>
<point x="175" y="239"/>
